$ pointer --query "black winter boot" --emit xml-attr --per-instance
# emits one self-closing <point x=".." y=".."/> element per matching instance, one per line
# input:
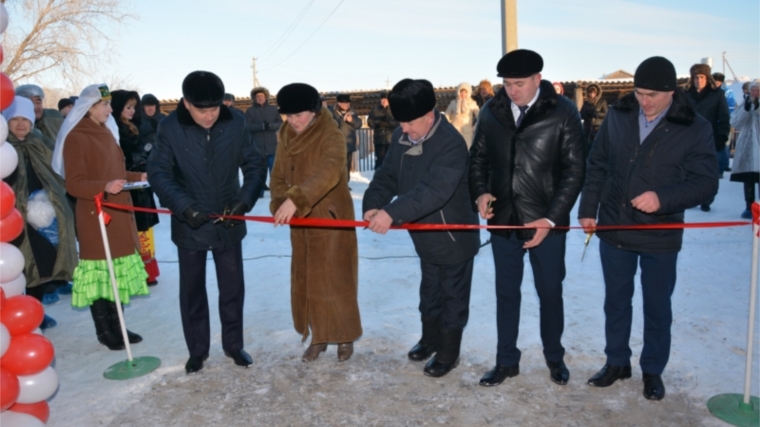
<point x="106" y="336"/>
<point x="428" y="344"/>
<point x="447" y="357"/>
<point x="114" y="316"/>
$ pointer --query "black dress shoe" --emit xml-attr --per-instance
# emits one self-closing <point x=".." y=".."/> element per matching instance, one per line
<point x="420" y="352"/>
<point x="436" y="368"/>
<point x="558" y="372"/>
<point x="609" y="374"/>
<point x="654" y="389"/>
<point x="194" y="364"/>
<point x="240" y="357"/>
<point x="498" y="374"/>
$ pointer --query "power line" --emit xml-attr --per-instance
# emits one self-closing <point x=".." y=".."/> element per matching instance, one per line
<point x="309" y="38"/>
<point x="288" y="31"/>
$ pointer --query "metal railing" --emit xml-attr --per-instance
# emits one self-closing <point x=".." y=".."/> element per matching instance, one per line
<point x="364" y="156"/>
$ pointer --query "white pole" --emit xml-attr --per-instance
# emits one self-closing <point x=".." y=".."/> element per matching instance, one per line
<point x="115" y="288"/>
<point x="751" y="328"/>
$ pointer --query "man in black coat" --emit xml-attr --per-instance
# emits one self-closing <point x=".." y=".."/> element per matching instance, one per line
<point x="383" y="124"/>
<point x="193" y="169"/>
<point x="263" y="122"/>
<point x="710" y="102"/>
<point x="654" y="156"/>
<point x="426" y="170"/>
<point x="526" y="169"/>
<point x="150" y="117"/>
<point x="348" y="123"/>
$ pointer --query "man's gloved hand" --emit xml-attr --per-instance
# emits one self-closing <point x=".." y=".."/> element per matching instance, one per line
<point x="234" y="208"/>
<point x="194" y="218"/>
<point x="266" y="125"/>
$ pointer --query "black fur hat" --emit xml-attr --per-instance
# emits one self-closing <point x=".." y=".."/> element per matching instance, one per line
<point x="150" y="99"/>
<point x="384" y="94"/>
<point x="203" y="89"/>
<point x="63" y="103"/>
<point x="343" y="98"/>
<point x="411" y="99"/>
<point x="298" y="97"/>
<point x="655" y="73"/>
<point x="519" y="64"/>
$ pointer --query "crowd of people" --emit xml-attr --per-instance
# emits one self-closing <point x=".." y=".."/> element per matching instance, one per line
<point x="517" y="154"/>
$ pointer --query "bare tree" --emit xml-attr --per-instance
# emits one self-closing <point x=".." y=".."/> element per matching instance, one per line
<point x="66" y="36"/>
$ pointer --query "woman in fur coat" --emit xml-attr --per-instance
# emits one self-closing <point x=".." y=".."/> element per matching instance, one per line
<point x="463" y="112"/>
<point x="310" y="180"/>
<point x="746" y="166"/>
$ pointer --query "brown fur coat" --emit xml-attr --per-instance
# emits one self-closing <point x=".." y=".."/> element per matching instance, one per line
<point x="310" y="170"/>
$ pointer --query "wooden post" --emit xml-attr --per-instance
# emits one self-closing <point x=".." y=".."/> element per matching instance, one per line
<point x="508" y="26"/>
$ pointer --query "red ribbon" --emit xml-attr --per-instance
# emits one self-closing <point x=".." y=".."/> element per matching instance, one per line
<point x="343" y="223"/>
<point x="99" y="203"/>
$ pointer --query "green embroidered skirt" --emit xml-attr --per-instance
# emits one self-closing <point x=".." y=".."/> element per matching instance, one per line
<point x="92" y="280"/>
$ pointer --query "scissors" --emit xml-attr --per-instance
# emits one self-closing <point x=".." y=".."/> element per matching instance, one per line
<point x="585" y="246"/>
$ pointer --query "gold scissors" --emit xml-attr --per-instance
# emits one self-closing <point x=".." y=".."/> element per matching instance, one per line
<point x="585" y="246"/>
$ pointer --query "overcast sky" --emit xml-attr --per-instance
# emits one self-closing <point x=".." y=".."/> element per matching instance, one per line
<point x="366" y="44"/>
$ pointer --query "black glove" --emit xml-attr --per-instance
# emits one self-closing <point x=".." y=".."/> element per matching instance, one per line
<point x="266" y="125"/>
<point x="234" y="208"/>
<point x="194" y="218"/>
<point x="747" y="104"/>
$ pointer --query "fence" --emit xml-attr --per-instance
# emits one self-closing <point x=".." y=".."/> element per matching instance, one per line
<point x="364" y="156"/>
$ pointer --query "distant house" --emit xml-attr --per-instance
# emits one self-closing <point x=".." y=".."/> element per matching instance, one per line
<point x="617" y="75"/>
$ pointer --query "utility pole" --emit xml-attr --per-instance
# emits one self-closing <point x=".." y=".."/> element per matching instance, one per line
<point x="508" y="26"/>
<point x="255" y="78"/>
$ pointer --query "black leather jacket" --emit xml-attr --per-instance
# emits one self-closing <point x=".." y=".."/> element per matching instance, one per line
<point x="534" y="171"/>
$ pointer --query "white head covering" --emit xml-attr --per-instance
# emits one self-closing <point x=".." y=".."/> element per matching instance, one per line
<point x="20" y="107"/>
<point x="29" y="91"/>
<point x="89" y="97"/>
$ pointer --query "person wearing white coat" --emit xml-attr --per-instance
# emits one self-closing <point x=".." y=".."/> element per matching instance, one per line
<point x="746" y="166"/>
<point x="463" y="112"/>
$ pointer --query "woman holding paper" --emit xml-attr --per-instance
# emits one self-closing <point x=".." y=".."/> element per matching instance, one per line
<point x="88" y="157"/>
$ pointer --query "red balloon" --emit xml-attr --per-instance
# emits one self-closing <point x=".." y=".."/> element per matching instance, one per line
<point x="7" y="199"/>
<point x="9" y="389"/>
<point x="41" y="410"/>
<point x="7" y="92"/>
<point x="2" y="299"/>
<point x="1" y="54"/>
<point x="28" y="354"/>
<point x="11" y="226"/>
<point x="22" y="314"/>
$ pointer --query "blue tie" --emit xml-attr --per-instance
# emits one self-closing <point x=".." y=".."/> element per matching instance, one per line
<point x="523" y="109"/>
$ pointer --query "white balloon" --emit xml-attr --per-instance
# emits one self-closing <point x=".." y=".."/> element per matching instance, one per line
<point x="8" y="159"/>
<point x="19" y="419"/>
<point x="3" y="18"/>
<point x="5" y="339"/>
<point x="14" y="287"/>
<point x="11" y="260"/>
<point x="37" y="387"/>
<point x="3" y="128"/>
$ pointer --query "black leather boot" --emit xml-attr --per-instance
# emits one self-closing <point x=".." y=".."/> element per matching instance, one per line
<point x="428" y="344"/>
<point x="114" y="316"/>
<point x="106" y="336"/>
<point x="447" y="357"/>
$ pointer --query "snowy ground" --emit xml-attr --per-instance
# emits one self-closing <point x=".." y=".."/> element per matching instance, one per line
<point x="379" y="385"/>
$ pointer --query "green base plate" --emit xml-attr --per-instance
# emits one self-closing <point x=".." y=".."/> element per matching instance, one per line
<point x="136" y="368"/>
<point x="732" y="409"/>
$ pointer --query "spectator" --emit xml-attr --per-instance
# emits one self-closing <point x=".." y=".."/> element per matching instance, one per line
<point x="746" y="119"/>
<point x="483" y="92"/>
<point x="559" y="88"/>
<point x="47" y="241"/>
<point x="592" y="113"/>
<point x="720" y="79"/>
<point x="64" y="106"/>
<point x="229" y="100"/>
<point x="710" y="103"/>
<point x="348" y="122"/>
<point x="463" y="113"/>
<point x="150" y="118"/>
<point x="383" y="124"/>
<point x="46" y="120"/>
<point x="263" y="121"/>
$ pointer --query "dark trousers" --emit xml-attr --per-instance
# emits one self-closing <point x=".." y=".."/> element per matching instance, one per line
<point x="658" y="279"/>
<point x="445" y="292"/>
<point x="380" y="151"/>
<point x="349" y="158"/>
<point x="548" y="263"/>
<point x="193" y="301"/>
